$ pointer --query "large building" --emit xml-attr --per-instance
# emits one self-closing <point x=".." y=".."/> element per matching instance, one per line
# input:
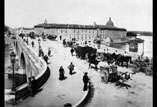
<point x="82" y="32"/>
<point x="24" y="30"/>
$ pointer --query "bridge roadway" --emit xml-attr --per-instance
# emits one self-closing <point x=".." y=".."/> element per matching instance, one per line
<point x="56" y="93"/>
<point x="109" y="95"/>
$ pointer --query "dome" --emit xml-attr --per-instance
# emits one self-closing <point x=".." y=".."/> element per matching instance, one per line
<point x="109" y="23"/>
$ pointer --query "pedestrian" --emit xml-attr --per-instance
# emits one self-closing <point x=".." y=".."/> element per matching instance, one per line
<point x="61" y="73"/>
<point x="40" y="51"/>
<point x="27" y="41"/>
<point x="60" y="37"/>
<point x="72" y="50"/>
<point x="49" y="52"/>
<point x="34" y="85"/>
<point x="71" y="68"/>
<point x="85" y="81"/>
<point x="46" y="58"/>
<point x="30" y="87"/>
<point x="32" y="43"/>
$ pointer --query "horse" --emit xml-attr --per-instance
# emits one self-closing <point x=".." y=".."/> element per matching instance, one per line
<point x="121" y="59"/>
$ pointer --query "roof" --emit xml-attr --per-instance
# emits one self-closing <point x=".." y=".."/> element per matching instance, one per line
<point x="76" y="26"/>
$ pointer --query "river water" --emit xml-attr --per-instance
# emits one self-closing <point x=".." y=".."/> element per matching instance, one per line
<point x="148" y="46"/>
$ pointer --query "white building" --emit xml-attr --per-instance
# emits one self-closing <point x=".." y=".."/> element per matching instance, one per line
<point x="82" y="32"/>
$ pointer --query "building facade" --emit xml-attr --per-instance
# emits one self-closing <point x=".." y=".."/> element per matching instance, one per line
<point x="82" y="32"/>
<point x="24" y="30"/>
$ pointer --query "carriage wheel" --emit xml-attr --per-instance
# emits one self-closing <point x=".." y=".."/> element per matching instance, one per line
<point x="137" y="66"/>
<point x="145" y="64"/>
<point x="106" y="76"/>
<point x="148" y="71"/>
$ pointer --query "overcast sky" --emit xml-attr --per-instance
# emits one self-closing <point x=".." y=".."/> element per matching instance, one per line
<point x="129" y="14"/>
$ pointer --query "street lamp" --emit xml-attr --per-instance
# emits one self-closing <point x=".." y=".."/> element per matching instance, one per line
<point x="98" y="38"/>
<point x="39" y="45"/>
<point x="12" y="56"/>
<point x="39" y="41"/>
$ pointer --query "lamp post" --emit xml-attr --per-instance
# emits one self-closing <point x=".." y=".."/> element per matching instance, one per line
<point x="39" y="41"/>
<point x="98" y="38"/>
<point x="12" y="56"/>
<point x="27" y="39"/>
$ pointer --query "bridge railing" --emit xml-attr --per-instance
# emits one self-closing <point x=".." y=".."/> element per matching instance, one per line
<point x="38" y="65"/>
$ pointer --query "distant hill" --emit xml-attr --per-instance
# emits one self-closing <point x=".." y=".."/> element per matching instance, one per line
<point x="145" y="33"/>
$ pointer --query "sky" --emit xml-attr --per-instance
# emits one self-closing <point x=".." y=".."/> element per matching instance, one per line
<point x="130" y="14"/>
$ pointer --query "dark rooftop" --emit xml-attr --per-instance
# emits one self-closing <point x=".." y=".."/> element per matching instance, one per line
<point x="76" y="26"/>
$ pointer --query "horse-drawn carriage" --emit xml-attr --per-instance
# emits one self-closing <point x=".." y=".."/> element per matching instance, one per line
<point x="52" y="37"/>
<point x="68" y="43"/>
<point x="120" y="60"/>
<point x="143" y="66"/>
<point x="110" y="74"/>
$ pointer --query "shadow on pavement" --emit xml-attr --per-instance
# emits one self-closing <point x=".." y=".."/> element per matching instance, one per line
<point x="122" y="84"/>
<point x="37" y="91"/>
<point x="73" y="73"/>
<point x="62" y="78"/>
<point x="89" y="96"/>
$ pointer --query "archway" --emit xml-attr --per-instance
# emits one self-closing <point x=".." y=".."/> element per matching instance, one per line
<point x="20" y="76"/>
<point x="23" y="62"/>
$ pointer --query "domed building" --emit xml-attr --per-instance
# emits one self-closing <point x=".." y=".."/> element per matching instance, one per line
<point x="109" y="23"/>
<point x="83" y="32"/>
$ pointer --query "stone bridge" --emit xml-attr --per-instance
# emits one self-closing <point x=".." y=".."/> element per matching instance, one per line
<point x="29" y="64"/>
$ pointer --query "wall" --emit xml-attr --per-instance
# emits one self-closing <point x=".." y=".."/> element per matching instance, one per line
<point x="88" y="34"/>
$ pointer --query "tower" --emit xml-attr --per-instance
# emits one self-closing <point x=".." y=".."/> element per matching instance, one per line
<point x="45" y="22"/>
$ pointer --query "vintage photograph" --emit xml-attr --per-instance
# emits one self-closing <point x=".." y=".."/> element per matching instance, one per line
<point x="78" y="53"/>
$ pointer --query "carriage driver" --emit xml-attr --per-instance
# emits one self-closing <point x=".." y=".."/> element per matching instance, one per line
<point x="125" y="54"/>
<point x="116" y="52"/>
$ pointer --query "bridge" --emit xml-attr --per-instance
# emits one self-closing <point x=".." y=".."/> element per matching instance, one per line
<point x="69" y="89"/>
<point x="29" y="64"/>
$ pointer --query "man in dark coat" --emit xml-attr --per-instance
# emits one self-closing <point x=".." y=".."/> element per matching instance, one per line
<point x="30" y="87"/>
<point x="49" y="52"/>
<point x="85" y="81"/>
<point x="71" y="68"/>
<point x="32" y="43"/>
<point x="46" y="58"/>
<point x="34" y="85"/>
<point x="72" y="50"/>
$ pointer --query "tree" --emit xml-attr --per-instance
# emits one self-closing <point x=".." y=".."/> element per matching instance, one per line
<point x="131" y="34"/>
